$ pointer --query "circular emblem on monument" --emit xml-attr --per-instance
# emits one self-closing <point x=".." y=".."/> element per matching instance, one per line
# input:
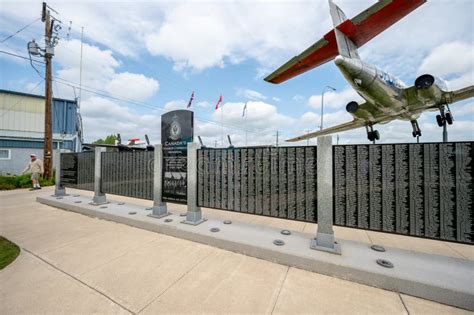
<point x="175" y="129"/>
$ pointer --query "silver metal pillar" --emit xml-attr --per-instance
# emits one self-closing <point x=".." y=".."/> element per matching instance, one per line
<point x="324" y="239"/>
<point x="194" y="214"/>
<point x="159" y="209"/>
<point x="99" y="196"/>
<point x="58" y="189"/>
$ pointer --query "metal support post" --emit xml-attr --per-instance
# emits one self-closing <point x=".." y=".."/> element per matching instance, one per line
<point x="58" y="189"/>
<point x="159" y="209"/>
<point x="324" y="239"/>
<point x="194" y="214"/>
<point x="99" y="197"/>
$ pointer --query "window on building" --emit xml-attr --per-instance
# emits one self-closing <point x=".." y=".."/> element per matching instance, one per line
<point x="5" y="154"/>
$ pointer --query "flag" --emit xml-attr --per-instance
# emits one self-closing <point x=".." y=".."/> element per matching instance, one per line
<point x="245" y="109"/>
<point x="218" y="102"/>
<point x="190" y="100"/>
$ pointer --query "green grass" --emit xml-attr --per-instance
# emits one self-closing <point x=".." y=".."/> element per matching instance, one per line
<point x="21" y="181"/>
<point x="8" y="252"/>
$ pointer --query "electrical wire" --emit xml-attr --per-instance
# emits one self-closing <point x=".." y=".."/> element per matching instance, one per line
<point x="19" y="31"/>
<point x="134" y="102"/>
<point x="20" y="56"/>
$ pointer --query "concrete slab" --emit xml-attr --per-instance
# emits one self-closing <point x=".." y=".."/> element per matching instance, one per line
<point x="438" y="278"/>
<point x="420" y="306"/>
<point x="139" y="276"/>
<point x="465" y="250"/>
<point x="413" y="244"/>
<point x="224" y="283"/>
<point x="30" y="286"/>
<point x="311" y="293"/>
<point x="99" y="248"/>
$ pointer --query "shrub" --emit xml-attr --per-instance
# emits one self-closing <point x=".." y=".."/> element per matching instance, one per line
<point x="21" y="181"/>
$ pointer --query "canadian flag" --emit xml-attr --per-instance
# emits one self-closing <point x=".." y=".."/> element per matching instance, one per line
<point x="219" y="102"/>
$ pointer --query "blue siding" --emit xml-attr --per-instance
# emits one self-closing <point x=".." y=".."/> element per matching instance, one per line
<point x="64" y="116"/>
<point x="8" y="143"/>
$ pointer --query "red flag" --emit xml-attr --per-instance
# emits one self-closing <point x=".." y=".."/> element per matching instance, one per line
<point x="218" y="102"/>
<point x="190" y="100"/>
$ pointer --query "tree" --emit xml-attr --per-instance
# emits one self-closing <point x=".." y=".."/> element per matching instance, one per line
<point x="110" y="139"/>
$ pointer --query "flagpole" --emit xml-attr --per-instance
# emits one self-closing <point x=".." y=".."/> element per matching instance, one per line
<point x="246" y="131"/>
<point x="222" y="125"/>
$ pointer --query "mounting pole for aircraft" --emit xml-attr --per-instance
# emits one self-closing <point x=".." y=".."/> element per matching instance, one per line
<point x="322" y="104"/>
<point x="445" y="132"/>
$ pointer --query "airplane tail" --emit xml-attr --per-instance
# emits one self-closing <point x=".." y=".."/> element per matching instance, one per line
<point x="345" y="46"/>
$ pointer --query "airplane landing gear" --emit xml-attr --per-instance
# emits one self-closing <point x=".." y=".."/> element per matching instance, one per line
<point x="372" y="135"/>
<point x="444" y="116"/>
<point x="416" y="129"/>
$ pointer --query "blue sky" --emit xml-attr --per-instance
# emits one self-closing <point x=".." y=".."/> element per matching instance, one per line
<point x="151" y="55"/>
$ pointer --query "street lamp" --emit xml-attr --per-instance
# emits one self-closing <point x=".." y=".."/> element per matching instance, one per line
<point x="322" y="104"/>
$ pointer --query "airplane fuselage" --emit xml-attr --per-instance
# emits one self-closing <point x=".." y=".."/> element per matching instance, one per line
<point x="382" y="91"/>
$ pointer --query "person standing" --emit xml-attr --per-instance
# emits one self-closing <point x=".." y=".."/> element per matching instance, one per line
<point x="35" y="166"/>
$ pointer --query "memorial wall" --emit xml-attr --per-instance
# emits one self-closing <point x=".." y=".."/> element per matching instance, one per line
<point x="422" y="190"/>
<point x="279" y="182"/>
<point x="413" y="189"/>
<point x="128" y="173"/>
<point x="77" y="170"/>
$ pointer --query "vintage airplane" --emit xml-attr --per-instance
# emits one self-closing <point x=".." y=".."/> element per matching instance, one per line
<point x="387" y="98"/>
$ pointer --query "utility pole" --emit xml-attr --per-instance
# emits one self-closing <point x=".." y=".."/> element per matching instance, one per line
<point x="48" y="128"/>
<point x="277" y="138"/>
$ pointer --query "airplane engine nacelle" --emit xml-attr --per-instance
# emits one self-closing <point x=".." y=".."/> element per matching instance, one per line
<point x="352" y="107"/>
<point x="430" y="87"/>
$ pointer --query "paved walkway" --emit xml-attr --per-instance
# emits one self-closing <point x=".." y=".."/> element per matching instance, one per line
<point x="72" y="263"/>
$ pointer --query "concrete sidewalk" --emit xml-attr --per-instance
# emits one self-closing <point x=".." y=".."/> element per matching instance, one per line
<point x="77" y="264"/>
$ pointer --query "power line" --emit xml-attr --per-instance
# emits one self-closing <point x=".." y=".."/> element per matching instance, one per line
<point x="19" y="56"/>
<point x="19" y="31"/>
<point x="134" y="102"/>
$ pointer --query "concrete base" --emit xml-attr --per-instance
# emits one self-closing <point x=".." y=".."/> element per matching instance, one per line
<point x="59" y="192"/>
<point x="442" y="279"/>
<point x="159" y="216"/>
<point x="194" y="222"/>
<point x="99" y="200"/>
<point x="194" y="218"/>
<point x="159" y="211"/>
<point x="333" y="247"/>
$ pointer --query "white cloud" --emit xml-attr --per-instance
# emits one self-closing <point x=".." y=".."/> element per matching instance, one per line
<point x="98" y="113"/>
<point x="454" y="57"/>
<point x="134" y="86"/>
<point x="262" y="122"/>
<point x="174" y="105"/>
<point x="250" y="94"/>
<point x="203" y="104"/>
<point x="199" y="35"/>
<point x="276" y="99"/>
<point x="335" y="99"/>
<point x="454" y="61"/>
<point x="297" y="98"/>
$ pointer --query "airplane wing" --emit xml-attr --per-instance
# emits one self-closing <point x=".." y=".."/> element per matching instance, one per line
<point x="359" y="30"/>
<point x="459" y="95"/>
<point x="338" y="128"/>
<point x="447" y="97"/>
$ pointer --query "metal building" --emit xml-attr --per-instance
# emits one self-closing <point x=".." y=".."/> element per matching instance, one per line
<point x="22" y="128"/>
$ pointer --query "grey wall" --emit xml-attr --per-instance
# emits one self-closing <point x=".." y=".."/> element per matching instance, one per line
<point x="19" y="158"/>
